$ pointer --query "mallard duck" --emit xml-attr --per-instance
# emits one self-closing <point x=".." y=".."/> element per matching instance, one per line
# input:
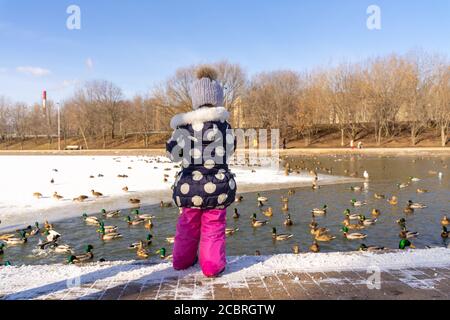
<point x="261" y="198"/>
<point x="163" y="254"/>
<point x="445" y="221"/>
<point x="324" y="237"/>
<point x="56" y="196"/>
<point x="149" y="224"/>
<point x="366" y="175"/>
<point x="367" y="222"/>
<point x="313" y="224"/>
<point x="363" y="247"/>
<point x="239" y="199"/>
<point x="110" y="214"/>
<point x="4" y="237"/>
<point x="37" y="195"/>
<point x="106" y="236"/>
<point x="63" y="249"/>
<point x="134" y="201"/>
<point x="375" y="212"/>
<point x="268" y="212"/>
<point x="147" y="242"/>
<point x="406" y="234"/>
<point x="379" y="196"/>
<point x="36" y="230"/>
<point x="356" y="188"/>
<point x="351" y="216"/>
<point x="125" y="189"/>
<point x="170" y="240"/>
<point x="414" y="179"/>
<point x="444" y="233"/>
<point x="351" y="226"/>
<point x="296" y="249"/>
<point x="408" y="210"/>
<point x="405" y="244"/>
<point x="401" y="222"/>
<point x="319" y="231"/>
<point x="96" y="194"/>
<point x="108" y="229"/>
<point x="353" y="236"/>
<point x="257" y="223"/>
<point x="356" y="203"/>
<point x="422" y="190"/>
<point x="288" y="222"/>
<point x="163" y="204"/>
<point x="231" y="231"/>
<point x="91" y="220"/>
<point x="52" y="235"/>
<point x="320" y="212"/>
<point x="402" y="185"/>
<point x="291" y="192"/>
<point x="81" y="198"/>
<point x="280" y="237"/>
<point x="314" y="247"/>
<point x="393" y="200"/>
<point x="236" y="214"/>
<point x="145" y="216"/>
<point x="15" y="240"/>
<point x="416" y="205"/>
<point x="47" y="225"/>
<point x="134" y="222"/>
<point x="88" y="255"/>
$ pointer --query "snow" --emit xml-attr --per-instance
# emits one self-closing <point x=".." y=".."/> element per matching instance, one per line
<point x="22" y="176"/>
<point x="37" y="282"/>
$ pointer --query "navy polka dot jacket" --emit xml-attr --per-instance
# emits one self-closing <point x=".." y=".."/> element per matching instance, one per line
<point x="203" y="142"/>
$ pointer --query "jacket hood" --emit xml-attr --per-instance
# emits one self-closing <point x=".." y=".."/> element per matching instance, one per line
<point x="200" y="116"/>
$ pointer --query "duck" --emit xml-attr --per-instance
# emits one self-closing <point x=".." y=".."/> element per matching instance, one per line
<point x="96" y="194"/>
<point x="88" y="255"/>
<point x="106" y="236"/>
<point x="379" y="196"/>
<point x="125" y="189"/>
<point x="145" y="216"/>
<point x="4" y="237"/>
<point x="170" y="240"/>
<point x="401" y="222"/>
<point x="163" y="254"/>
<point x="353" y="236"/>
<point x="52" y="235"/>
<point x="351" y="226"/>
<point x="239" y="199"/>
<point x="108" y="229"/>
<point x="291" y="192"/>
<point x="414" y="179"/>
<point x="56" y="196"/>
<point x="110" y="214"/>
<point x="280" y="237"/>
<point x="367" y="222"/>
<point x="149" y="224"/>
<point x="416" y="205"/>
<point x="366" y="175"/>
<point x="375" y="212"/>
<point x="402" y="185"/>
<point x="356" y="188"/>
<point x="319" y="231"/>
<point x="325" y="237"/>
<point x="91" y="220"/>
<point x="351" y="216"/>
<point x="2" y="252"/>
<point x="261" y="198"/>
<point x="268" y="212"/>
<point x="406" y="234"/>
<point x="63" y="249"/>
<point x="366" y="248"/>
<point x="258" y="223"/>
<point x="37" y="195"/>
<point x="47" y="225"/>
<point x="15" y="240"/>
<point x="134" y="201"/>
<point x="393" y="200"/>
<point x="134" y="222"/>
<point x="314" y="247"/>
<point x="320" y="212"/>
<point x="231" y="231"/>
<point x="36" y="229"/>
<point x="356" y="203"/>
<point x="445" y="221"/>
<point x="408" y="210"/>
<point x="147" y="242"/>
<point x="296" y="249"/>
<point x="420" y="190"/>
<point x="405" y="244"/>
<point x="285" y="207"/>
<point x="313" y="224"/>
<point x="444" y="233"/>
<point x="81" y="198"/>
<point x="236" y="214"/>
<point x="288" y="222"/>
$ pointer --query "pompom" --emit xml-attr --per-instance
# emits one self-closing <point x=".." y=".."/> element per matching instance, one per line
<point x="206" y="72"/>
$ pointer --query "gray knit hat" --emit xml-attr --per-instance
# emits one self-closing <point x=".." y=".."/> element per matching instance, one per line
<point x="206" y="90"/>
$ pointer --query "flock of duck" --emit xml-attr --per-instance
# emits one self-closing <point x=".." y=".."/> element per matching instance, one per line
<point x="353" y="225"/>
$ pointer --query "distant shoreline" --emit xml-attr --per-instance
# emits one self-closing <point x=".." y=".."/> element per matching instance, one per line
<point x="407" y="151"/>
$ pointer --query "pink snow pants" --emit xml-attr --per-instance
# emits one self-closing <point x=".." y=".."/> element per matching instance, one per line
<point x="205" y="228"/>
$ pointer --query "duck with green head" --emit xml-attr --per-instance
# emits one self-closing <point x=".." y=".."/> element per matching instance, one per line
<point x="280" y="237"/>
<point x="405" y="244"/>
<point x="22" y="239"/>
<point x="320" y="212"/>
<point x="364" y="247"/>
<point x="110" y="214"/>
<point x="88" y="255"/>
<point x="36" y="230"/>
<point x="444" y="233"/>
<point x="105" y="236"/>
<point x="90" y="220"/>
<point x="258" y="223"/>
<point x="352" y="236"/>
<point x="7" y="264"/>
<point x="147" y="242"/>
<point x="163" y="254"/>
<point x="134" y="222"/>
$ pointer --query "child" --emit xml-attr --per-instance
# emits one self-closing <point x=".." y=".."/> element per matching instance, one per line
<point x="203" y="140"/>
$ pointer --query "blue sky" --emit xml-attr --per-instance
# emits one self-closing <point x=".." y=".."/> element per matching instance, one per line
<point x="137" y="43"/>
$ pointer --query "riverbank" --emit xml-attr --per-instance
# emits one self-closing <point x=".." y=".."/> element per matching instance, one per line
<point x="414" y="274"/>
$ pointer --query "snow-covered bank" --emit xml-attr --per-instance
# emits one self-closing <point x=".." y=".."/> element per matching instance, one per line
<point x="34" y="282"/>
<point x="72" y="176"/>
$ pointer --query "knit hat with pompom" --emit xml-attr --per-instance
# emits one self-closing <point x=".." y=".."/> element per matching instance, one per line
<point x="206" y="90"/>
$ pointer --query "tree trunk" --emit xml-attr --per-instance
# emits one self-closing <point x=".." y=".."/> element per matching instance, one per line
<point x="342" y="138"/>
<point x="444" y="137"/>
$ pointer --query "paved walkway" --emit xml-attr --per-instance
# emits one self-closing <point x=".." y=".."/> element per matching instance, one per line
<point x="421" y="284"/>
